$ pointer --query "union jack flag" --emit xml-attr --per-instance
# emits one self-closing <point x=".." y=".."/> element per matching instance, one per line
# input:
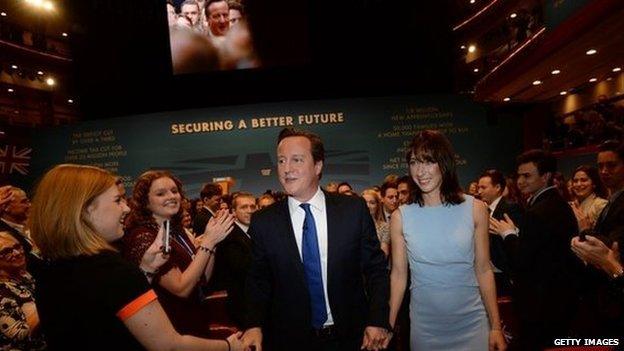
<point x="14" y="159"/>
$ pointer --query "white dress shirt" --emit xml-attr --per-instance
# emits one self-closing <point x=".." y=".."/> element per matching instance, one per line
<point x="297" y="216"/>
<point x="493" y="205"/>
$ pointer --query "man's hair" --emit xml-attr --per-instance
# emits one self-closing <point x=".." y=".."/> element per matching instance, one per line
<point x="239" y="195"/>
<point x="345" y="183"/>
<point x="496" y="178"/>
<point x="317" y="148"/>
<point x="189" y="2"/>
<point x="387" y="185"/>
<point x="210" y="2"/>
<point x="235" y="5"/>
<point x="405" y="179"/>
<point x="613" y="146"/>
<point x="210" y="189"/>
<point x="59" y="222"/>
<point x="544" y="161"/>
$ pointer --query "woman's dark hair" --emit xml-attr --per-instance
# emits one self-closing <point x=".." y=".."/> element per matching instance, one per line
<point x="140" y="214"/>
<point x="432" y="146"/>
<point x="592" y="173"/>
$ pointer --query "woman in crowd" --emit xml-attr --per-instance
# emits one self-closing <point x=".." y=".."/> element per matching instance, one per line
<point x="373" y="201"/>
<point x="19" y="321"/>
<point x="158" y="197"/>
<point x="87" y="295"/>
<point x="589" y="196"/>
<point x="444" y="236"/>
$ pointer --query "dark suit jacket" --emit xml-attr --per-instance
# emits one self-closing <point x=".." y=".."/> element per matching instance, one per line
<point x="277" y="293"/>
<point x="232" y="260"/>
<point x="497" y="250"/>
<point x="201" y="219"/>
<point x="546" y="272"/>
<point x="32" y="261"/>
<point x="604" y="302"/>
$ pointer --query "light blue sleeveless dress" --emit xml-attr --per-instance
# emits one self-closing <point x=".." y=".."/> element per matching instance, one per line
<point x="446" y="309"/>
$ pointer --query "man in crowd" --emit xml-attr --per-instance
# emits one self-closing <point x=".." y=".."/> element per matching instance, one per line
<point x="404" y="189"/>
<point x="218" y="14"/>
<point x="345" y="189"/>
<point x="13" y="220"/>
<point x="603" y="298"/>
<point x="211" y="195"/>
<point x="237" y="12"/>
<point x="545" y="271"/>
<point x="491" y="186"/>
<point x="389" y="199"/>
<point x="312" y="254"/>
<point x="233" y="256"/>
<point x="191" y="10"/>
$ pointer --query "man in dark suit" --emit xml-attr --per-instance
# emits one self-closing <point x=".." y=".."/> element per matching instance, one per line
<point x="13" y="219"/>
<point x="233" y="257"/>
<point x="210" y="195"/>
<point x="313" y="255"/>
<point x="545" y="271"/>
<point x="491" y="186"/>
<point x="603" y="296"/>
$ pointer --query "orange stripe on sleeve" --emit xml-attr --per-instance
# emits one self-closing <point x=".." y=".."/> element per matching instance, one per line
<point x="137" y="304"/>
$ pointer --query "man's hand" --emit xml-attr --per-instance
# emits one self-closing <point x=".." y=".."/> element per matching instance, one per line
<point x="594" y="251"/>
<point x="503" y="226"/>
<point x="374" y="338"/>
<point x="252" y="338"/>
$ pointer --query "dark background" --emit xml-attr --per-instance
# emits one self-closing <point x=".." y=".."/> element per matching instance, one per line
<point x="335" y="49"/>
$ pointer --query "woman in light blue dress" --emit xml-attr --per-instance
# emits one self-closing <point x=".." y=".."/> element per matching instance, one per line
<point x="443" y="235"/>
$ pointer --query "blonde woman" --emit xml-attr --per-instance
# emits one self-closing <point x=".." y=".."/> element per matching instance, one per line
<point x="87" y="294"/>
<point x="373" y="201"/>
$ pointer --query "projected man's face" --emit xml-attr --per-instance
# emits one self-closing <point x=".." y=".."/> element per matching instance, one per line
<point x="219" y="18"/>
<point x="191" y="12"/>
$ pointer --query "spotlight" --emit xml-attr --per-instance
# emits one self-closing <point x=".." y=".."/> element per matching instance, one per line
<point x="555" y="72"/>
<point x="70" y="101"/>
<point x="476" y="70"/>
<point x="10" y="90"/>
<point x="40" y="73"/>
<point x="592" y="80"/>
<point x="463" y="47"/>
<point x="617" y="69"/>
<point x="513" y="15"/>
<point x="64" y="34"/>
<point x="537" y="82"/>
<point x="506" y="99"/>
<point x="3" y="14"/>
<point x="14" y="66"/>
<point x="50" y="81"/>
<point x="563" y="93"/>
<point x="591" y="52"/>
<point x="472" y="1"/>
<point x="472" y="48"/>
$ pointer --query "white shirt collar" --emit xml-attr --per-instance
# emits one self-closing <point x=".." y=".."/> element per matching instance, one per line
<point x="245" y="228"/>
<point x="16" y="226"/>
<point x="494" y="203"/>
<point x="317" y="201"/>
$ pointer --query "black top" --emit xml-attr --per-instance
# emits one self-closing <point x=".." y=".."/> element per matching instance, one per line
<point x="78" y="299"/>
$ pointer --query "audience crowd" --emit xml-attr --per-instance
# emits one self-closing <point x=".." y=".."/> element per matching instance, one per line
<point x="556" y="255"/>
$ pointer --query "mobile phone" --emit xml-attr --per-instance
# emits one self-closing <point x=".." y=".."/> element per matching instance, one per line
<point x="166" y="237"/>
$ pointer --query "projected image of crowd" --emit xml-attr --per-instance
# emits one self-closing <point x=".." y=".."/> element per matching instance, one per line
<point x="210" y="35"/>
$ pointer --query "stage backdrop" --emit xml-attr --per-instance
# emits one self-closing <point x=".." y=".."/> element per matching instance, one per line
<point x="365" y="139"/>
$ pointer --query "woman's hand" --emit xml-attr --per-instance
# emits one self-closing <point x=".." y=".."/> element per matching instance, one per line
<point x="154" y="257"/>
<point x="236" y="343"/>
<point x="584" y="222"/>
<point x="497" y="340"/>
<point x="218" y="227"/>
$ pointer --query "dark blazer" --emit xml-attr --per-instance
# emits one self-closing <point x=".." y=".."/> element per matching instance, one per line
<point x="277" y="294"/>
<point x="32" y="261"/>
<point x="497" y="250"/>
<point x="546" y="272"/>
<point x="603" y="302"/>
<point x="201" y="219"/>
<point x="232" y="260"/>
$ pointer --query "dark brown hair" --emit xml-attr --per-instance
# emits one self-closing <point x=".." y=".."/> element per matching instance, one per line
<point x="140" y="214"/>
<point x="317" y="148"/>
<point x="432" y="146"/>
<point x="594" y="175"/>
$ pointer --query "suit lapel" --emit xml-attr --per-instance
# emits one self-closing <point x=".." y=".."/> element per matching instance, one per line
<point x="331" y="211"/>
<point x="285" y="229"/>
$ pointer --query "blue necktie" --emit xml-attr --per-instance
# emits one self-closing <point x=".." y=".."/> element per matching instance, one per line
<point x="312" y="267"/>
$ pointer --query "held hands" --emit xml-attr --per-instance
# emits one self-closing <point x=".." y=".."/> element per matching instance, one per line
<point x="503" y="226"/>
<point x="217" y="228"/>
<point x="154" y="257"/>
<point x="375" y="339"/>
<point x="252" y="339"/>
<point x="497" y="340"/>
<point x="236" y="342"/>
